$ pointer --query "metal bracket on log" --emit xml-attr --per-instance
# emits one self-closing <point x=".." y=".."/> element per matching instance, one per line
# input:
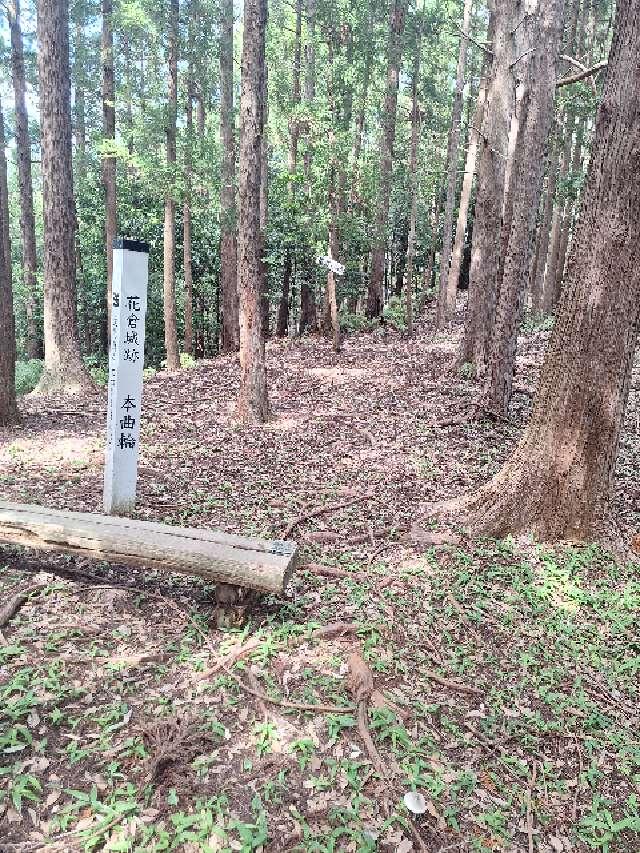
<point x="209" y="554"/>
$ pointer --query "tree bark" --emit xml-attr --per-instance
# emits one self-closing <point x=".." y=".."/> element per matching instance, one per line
<point x="375" y="295"/>
<point x="487" y="225"/>
<point x="535" y="127"/>
<point x="109" y="131"/>
<point x="169" y="277"/>
<point x="186" y="205"/>
<point x="8" y="404"/>
<point x="228" y="213"/>
<point x="264" y="202"/>
<point x="447" y="295"/>
<point x="558" y="482"/>
<point x="542" y="247"/>
<point x="63" y="366"/>
<point x="252" y="406"/>
<point x="332" y="323"/>
<point x="23" y="153"/>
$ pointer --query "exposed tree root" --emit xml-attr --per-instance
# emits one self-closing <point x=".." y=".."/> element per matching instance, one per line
<point x="322" y="510"/>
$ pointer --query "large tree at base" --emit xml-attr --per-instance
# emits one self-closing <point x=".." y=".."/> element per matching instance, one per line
<point x="63" y="367"/>
<point x="558" y="482"/>
<point x="253" y="405"/>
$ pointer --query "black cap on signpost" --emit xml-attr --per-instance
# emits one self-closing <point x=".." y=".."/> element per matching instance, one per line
<point x="130" y="244"/>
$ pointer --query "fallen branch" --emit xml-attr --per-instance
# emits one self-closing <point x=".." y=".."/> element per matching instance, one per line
<point x="321" y="510"/>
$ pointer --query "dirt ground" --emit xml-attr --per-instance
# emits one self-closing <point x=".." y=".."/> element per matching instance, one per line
<point x="504" y="714"/>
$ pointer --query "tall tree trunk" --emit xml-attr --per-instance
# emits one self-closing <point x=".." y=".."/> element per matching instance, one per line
<point x="561" y="210"/>
<point x="361" y="116"/>
<point x="331" y="321"/>
<point x="447" y="295"/>
<point x="558" y="482"/>
<point x="23" y="153"/>
<point x="109" y="130"/>
<point x="375" y="295"/>
<point x="542" y="247"/>
<point x="186" y="205"/>
<point x="308" y="316"/>
<point x="282" y="322"/>
<point x="253" y="405"/>
<point x="486" y="247"/>
<point x="413" y="173"/>
<point x="528" y="175"/>
<point x="467" y="184"/>
<point x="8" y="405"/>
<point x="228" y="213"/>
<point x="169" y="280"/>
<point x="264" y="201"/>
<point x="63" y="367"/>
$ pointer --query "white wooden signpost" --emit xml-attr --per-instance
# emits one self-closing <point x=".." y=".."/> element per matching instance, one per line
<point x="126" y="362"/>
<point x="333" y="266"/>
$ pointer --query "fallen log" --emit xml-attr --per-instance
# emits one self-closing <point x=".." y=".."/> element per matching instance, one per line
<point x="209" y="554"/>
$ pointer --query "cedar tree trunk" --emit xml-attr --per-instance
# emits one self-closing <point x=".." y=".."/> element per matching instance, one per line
<point x="252" y="406"/>
<point x="64" y="369"/>
<point x="558" y="482"/>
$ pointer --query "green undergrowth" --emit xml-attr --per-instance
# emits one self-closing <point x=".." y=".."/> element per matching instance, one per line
<point x="548" y="640"/>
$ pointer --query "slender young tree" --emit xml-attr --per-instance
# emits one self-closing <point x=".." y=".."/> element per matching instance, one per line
<point x="169" y="280"/>
<point x="447" y="295"/>
<point x="109" y="130"/>
<point x="308" y="316"/>
<point x="375" y="295"/>
<point x="413" y="171"/>
<point x="558" y="483"/>
<point x="187" y="265"/>
<point x="467" y="184"/>
<point x="23" y="154"/>
<point x="253" y="405"/>
<point x="64" y="369"/>
<point x="282" y="320"/>
<point x="228" y="214"/>
<point x="542" y="246"/>
<point x="8" y="405"/>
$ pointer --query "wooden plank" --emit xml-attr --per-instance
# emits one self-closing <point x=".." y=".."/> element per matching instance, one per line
<point x="210" y="554"/>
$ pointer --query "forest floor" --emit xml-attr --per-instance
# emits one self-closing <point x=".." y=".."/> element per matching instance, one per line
<point x="506" y="674"/>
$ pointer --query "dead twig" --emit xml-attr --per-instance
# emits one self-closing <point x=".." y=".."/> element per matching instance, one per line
<point x="14" y="604"/>
<point x="322" y="510"/>
<point x="463" y="617"/>
<point x="284" y="703"/>
<point x="361" y="538"/>
<point x="530" y="789"/>
<point x="452" y="685"/>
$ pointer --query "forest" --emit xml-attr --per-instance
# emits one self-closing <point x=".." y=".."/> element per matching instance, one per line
<point x="319" y="426"/>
